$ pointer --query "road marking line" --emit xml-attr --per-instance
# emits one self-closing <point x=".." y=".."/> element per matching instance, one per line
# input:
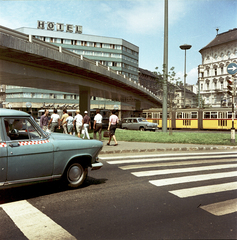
<point x="196" y="191"/>
<point x="164" y="159"/>
<point x="221" y="208"/>
<point x="34" y="224"/>
<point x="168" y="154"/>
<point x="129" y="167"/>
<point x="188" y="179"/>
<point x="182" y="170"/>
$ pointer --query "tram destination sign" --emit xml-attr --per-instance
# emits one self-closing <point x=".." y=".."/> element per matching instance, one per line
<point x="232" y="68"/>
<point x="59" y="27"/>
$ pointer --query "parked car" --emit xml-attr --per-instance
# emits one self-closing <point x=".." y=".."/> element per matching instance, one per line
<point x="138" y="123"/>
<point x="28" y="154"/>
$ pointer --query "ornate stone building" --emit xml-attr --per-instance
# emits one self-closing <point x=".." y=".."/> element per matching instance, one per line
<point x="216" y="56"/>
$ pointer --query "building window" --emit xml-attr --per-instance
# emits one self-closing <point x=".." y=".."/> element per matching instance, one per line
<point x="104" y="45"/>
<point x="228" y="54"/>
<point x="215" y="71"/>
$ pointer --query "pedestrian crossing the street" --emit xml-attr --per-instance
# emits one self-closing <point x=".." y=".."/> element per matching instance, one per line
<point x="177" y="170"/>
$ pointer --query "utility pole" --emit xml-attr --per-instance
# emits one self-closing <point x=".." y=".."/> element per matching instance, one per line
<point x="165" y="69"/>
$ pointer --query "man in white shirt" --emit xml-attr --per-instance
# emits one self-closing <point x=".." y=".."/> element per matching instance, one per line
<point x="97" y="124"/>
<point x="55" y="120"/>
<point x="78" y="122"/>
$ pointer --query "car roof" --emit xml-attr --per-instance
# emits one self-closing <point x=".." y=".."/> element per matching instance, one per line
<point x="12" y="113"/>
<point x="133" y="117"/>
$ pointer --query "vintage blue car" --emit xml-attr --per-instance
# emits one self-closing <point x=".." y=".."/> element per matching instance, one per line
<point x="28" y="154"/>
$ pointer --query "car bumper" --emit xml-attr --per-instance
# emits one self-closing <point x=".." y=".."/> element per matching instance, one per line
<point x="96" y="165"/>
<point x="151" y="128"/>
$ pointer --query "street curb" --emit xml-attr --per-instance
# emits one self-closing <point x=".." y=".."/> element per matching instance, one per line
<point x="168" y="149"/>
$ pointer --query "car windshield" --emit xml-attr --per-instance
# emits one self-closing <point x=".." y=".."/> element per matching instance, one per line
<point x="141" y="120"/>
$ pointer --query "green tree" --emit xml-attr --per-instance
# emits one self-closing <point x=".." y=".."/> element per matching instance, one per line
<point x="172" y="83"/>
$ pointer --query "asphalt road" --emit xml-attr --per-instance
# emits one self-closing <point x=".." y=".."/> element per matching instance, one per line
<point x="121" y="202"/>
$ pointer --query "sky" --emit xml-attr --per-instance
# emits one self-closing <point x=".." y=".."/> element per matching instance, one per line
<point x="140" y="22"/>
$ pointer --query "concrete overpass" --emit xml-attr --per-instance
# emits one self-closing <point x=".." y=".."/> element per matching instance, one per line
<point x="29" y="62"/>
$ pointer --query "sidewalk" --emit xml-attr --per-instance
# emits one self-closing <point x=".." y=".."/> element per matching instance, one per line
<point x="146" y="147"/>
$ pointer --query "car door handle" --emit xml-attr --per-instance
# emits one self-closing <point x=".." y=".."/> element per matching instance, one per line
<point x="14" y="145"/>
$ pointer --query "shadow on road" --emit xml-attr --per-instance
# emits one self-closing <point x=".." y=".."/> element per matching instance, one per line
<point x="41" y="189"/>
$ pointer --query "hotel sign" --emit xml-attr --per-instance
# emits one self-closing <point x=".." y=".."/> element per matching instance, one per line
<point x="59" y="27"/>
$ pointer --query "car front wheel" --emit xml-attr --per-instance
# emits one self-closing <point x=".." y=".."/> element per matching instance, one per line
<point x="142" y="129"/>
<point x="75" y="175"/>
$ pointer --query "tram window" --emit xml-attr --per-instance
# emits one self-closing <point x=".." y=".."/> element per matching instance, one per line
<point x="144" y="115"/>
<point x="149" y="115"/>
<point x="179" y="115"/>
<point x="155" y="115"/>
<point x="160" y="115"/>
<point x="168" y="115"/>
<point x="193" y="114"/>
<point x="213" y="114"/>
<point x="230" y="115"/>
<point x="186" y="115"/>
<point x="206" y="114"/>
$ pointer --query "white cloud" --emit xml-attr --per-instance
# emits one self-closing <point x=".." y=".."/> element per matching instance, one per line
<point x="141" y="16"/>
<point x="192" y="76"/>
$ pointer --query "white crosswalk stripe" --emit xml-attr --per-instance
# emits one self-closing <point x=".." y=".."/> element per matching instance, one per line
<point x="182" y="170"/>
<point x="192" y="167"/>
<point x="190" y="192"/>
<point x="33" y="223"/>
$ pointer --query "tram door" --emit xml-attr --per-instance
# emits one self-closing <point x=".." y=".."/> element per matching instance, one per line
<point x="186" y="120"/>
<point x="222" y="120"/>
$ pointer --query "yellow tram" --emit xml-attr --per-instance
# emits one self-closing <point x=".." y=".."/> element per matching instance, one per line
<point x="194" y="118"/>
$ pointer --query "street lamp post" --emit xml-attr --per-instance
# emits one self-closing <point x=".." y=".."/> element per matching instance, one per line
<point x="200" y="73"/>
<point x="185" y="47"/>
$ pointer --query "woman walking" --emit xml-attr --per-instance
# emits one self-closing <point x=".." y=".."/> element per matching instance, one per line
<point x="113" y="120"/>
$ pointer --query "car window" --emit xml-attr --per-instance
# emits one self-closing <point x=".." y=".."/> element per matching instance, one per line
<point x="21" y="129"/>
<point x="142" y="120"/>
<point x="135" y="120"/>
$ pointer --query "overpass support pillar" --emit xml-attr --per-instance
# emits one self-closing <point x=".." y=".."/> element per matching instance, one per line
<point x="138" y="106"/>
<point x="84" y="100"/>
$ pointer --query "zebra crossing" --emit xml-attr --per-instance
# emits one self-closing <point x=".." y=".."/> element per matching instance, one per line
<point x="174" y="170"/>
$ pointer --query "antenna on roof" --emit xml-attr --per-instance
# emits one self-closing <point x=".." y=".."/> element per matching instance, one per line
<point x="217" y="29"/>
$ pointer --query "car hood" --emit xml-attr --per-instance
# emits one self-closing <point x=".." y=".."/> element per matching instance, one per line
<point x="66" y="138"/>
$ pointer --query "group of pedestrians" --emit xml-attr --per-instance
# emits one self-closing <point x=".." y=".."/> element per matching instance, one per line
<point x="80" y="123"/>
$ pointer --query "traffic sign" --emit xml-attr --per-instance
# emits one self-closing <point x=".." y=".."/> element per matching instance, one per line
<point x="232" y="68"/>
